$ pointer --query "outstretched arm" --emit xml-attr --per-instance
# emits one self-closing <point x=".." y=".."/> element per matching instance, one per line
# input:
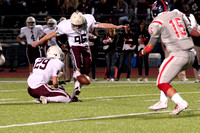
<point x="45" y="38"/>
<point x="108" y="25"/>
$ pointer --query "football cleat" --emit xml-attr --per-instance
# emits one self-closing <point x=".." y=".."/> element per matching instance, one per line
<point x="179" y="107"/>
<point x="139" y="80"/>
<point x="43" y="99"/>
<point x="158" y="106"/>
<point x="146" y="80"/>
<point x="77" y="91"/>
<point x="75" y="99"/>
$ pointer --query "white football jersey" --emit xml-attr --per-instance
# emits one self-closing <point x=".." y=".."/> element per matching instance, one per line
<point x="76" y="38"/>
<point x="43" y="71"/>
<point x="31" y="35"/>
<point x="52" y="41"/>
<point x="172" y="28"/>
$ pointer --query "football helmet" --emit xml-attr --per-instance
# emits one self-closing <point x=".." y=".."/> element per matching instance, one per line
<point x="30" y="22"/>
<point x="158" y="7"/>
<point x="51" y="23"/>
<point x="55" y="52"/>
<point x="78" y="21"/>
<point x="62" y="18"/>
<point x="2" y="59"/>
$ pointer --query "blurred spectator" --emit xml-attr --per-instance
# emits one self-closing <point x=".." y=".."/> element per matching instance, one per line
<point x="143" y="38"/>
<point x="122" y="10"/>
<point x="69" y="6"/>
<point x="194" y="5"/>
<point x="110" y="53"/>
<point x="186" y="8"/>
<point x="196" y="41"/>
<point x="142" y="10"/>
<point x="43" y="7"/>
<point x="85" y="7"/>
<point x="94" y="43"/>
<point x="103" y="8"/>
<point x="127" y="45"/>
<point x="14" y="8"/>
<point x="170" y="4"/>
<point x="54" y="7"/>
<point x="32" y="7"/>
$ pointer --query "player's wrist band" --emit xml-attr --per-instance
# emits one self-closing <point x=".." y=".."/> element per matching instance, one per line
<point x="147" y="49"/>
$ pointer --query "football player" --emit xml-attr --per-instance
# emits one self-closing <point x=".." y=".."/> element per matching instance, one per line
<point x="52" y="23"/>
<point x="46" y="70"/>
<point x="174" y="29"/>
<point x="31" y="32"/>
<point x="77" y="29"/>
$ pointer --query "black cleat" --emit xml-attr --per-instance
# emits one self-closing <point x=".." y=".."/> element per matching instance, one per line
<point x="75" y="99"/>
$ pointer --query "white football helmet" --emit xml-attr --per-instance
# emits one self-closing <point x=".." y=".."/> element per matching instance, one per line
<point x="78" y="21"/>
<point x="62" y="18"/>
<point x="30" y="22"/>
<point x="2" y="59"/>
<point x="51" y="23"/>
<point x="55" y="52"/>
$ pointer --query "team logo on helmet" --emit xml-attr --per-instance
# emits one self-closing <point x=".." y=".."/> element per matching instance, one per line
<point x="158" y="7"/>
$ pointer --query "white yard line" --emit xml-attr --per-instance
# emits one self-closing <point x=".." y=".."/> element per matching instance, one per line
<point x="106" y="82"/>
<point x="89" y="118"/>
<point x="12" y="90"/>
<point x="105" y="97"/>
<point x="8" y="99"/>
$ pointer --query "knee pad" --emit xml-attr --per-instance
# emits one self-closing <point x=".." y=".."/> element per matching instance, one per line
<point x="164" y="87"/>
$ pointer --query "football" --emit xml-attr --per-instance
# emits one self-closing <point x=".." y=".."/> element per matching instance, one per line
<point x="83" y="79"/>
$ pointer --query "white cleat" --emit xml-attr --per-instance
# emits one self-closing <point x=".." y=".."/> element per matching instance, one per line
<point x="139" y="80"/>
<point x="112" y="79"/>
<point x="146" y="80"/>
<point x="43" y="99"/>
<point x="128" y="79"/>
<point x="158" y="106"/>
<point x="179" y="107"/>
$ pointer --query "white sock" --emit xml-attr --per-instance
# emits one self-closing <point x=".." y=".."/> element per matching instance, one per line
<point x="163" y="97"/>
<point x="59" y="99"/>
<point x="176" y="98"/>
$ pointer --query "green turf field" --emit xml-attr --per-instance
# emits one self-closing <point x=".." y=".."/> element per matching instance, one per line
<point x="107" y="107"/>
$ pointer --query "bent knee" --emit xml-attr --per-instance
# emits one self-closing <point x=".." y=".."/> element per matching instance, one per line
<point x="164" y="87"/>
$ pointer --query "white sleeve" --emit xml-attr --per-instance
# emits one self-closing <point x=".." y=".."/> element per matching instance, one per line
<point x="155" y="32"/>
<point x="58" y="65"/>
<point x="22" y="33"/>
<point x="91" y="20"/>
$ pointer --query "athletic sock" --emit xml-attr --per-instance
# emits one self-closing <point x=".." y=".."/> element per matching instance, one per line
<point x="163" y="97"/>
<point x="176" y="98"/>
